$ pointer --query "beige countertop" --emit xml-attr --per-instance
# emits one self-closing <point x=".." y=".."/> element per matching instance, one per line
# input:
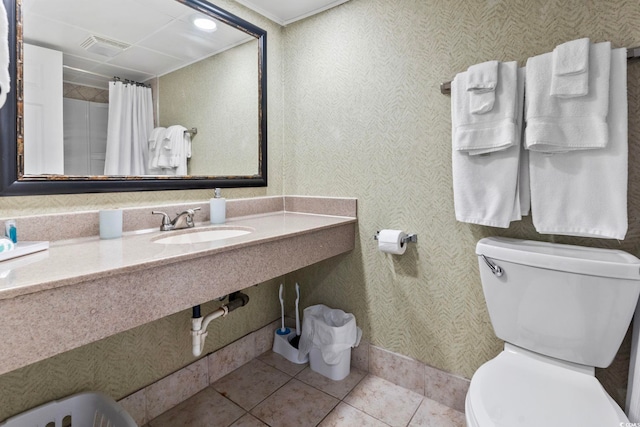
<point x="83" y="289"/>
<point x="71" y="261"/>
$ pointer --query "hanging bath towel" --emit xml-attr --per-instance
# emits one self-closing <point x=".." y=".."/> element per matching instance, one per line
<point x="584" y="193"/>
<point x="559" y="125"/>
<point x="5" y="79"/>
<point x="491" y="189"/>
<point x="175" y="150"/>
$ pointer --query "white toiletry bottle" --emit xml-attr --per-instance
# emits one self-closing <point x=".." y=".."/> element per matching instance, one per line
<point x="218" y="208"/>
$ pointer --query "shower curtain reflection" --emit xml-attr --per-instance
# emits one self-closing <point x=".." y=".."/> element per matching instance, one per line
<point x="130" y="124"/>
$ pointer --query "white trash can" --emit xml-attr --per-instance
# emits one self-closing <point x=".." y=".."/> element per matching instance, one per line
<point x="328" y="336"/>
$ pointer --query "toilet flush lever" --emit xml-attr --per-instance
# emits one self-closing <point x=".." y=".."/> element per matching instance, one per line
<point x="495" y="269"/>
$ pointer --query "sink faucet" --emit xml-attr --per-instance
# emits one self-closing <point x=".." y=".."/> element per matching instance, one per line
<point x="183" y="220"/>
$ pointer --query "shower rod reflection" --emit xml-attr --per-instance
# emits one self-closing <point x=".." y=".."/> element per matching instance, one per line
<point x="104" y="76"/>
<point x="130" y="82"/>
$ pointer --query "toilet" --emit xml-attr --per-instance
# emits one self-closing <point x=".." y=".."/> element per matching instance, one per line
<point x="562" y="310"/>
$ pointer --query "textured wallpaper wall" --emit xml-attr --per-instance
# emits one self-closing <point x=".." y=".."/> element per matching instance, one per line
<point x="219" y="96"/>
<point x="364" y="117"/>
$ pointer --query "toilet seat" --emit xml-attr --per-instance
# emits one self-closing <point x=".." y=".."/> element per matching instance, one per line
<point x="517" y="390"/>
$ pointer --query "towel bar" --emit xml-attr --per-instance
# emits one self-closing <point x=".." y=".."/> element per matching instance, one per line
<point x="632" y="53"/>
<point x="192" y="132"/>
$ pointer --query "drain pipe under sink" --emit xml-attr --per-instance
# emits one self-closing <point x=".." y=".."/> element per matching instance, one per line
<point x="199" y="324"/>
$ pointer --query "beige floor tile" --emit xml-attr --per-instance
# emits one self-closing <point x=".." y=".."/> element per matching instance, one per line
<point x="249" y="421"/>
<point x="338" y="389"/>
<point x="206" y="409"/>
<point x="251" y="383"/>
<point x="279" y="362"/>
<point x="384" y="400"/>
<point x="434" y="414"/>
<point x="345" y="415"/>
<point x="295" y="405"/>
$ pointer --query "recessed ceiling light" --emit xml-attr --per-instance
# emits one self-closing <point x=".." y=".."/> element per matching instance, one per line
<point x="203" y="23"/>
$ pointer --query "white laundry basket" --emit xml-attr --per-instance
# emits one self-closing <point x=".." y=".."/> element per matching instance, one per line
<point x="81" y="410"/>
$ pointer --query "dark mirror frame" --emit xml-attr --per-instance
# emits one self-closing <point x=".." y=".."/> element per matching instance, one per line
<point x="12" y="183"/>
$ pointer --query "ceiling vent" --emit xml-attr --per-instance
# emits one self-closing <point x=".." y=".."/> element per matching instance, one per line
<point x="103" y="46"/>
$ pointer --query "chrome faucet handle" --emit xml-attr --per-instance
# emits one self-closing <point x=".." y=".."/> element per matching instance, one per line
<point x="191" y="212"/>
<point x="184" y="219"/>
<point x="166" y="221"/>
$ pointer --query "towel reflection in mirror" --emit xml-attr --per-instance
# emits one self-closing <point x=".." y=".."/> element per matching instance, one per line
<point x="169" y="149"/>
<point x="134" y="146"/>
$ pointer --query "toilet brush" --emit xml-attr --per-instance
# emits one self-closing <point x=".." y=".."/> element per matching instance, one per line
<point x="283" y="330"/>
<point x="296" y="340"/>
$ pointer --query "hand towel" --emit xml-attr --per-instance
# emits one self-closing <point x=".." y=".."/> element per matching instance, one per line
<point x="155" y="143"/>
<point x="481" y="102"/>
<point x="489" y="189"/>
<point x="5" y="79"/>
<point x="570" y="75"/>
<point x="584" y="193"/>
<point x="175" y="150"/>
<point x="482" y="80"/>
<point x="494" y="130"/>
<point x="557" y="125"/>
<point x="571" y="58"/>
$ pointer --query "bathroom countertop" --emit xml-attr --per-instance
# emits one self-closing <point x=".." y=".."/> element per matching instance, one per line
<point x="83" y="289"/>
<point x="93" y="258"/>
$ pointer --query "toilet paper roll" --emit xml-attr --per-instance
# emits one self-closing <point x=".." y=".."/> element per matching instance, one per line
<point x="390" y="241"/>
<point x="110" y="223"/>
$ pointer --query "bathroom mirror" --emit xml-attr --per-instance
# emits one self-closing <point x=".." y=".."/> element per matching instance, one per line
<point x="212" y="84"/>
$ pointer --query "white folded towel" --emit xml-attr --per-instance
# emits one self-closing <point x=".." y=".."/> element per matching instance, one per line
<point x="482" y="77"/>
<point x="571" y="58"/>
<point x="523" y="193"/>
<point x="584" y="193"/>
<point x="482" y="80"/>
<point x="522" y="202"/>
<point x="557" y="125"/>
<point x="570" y="75"/>
<point x="155" y="143"/>
<point x="489" y="189"/>
<point x="494" y="130"/>
<point x="175" y="150"/>
<point x="5" y="79"/>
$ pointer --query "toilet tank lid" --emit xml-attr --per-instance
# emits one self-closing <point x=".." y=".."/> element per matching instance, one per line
<point x="568" y="258"/>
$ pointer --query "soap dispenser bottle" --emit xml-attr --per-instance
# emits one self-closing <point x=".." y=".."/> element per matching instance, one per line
<point x="217" y="208"/>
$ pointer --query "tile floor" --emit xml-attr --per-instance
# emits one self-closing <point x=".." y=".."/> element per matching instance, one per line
<point x="271" y="391"/>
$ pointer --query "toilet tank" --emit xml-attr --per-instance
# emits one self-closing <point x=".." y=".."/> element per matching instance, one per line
<point x="569" y="302"/>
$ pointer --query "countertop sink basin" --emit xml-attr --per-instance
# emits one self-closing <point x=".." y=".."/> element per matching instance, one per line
<point x="201" y="236"/>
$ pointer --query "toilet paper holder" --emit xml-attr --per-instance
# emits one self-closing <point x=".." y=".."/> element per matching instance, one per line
<point x="409" y="238"/>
